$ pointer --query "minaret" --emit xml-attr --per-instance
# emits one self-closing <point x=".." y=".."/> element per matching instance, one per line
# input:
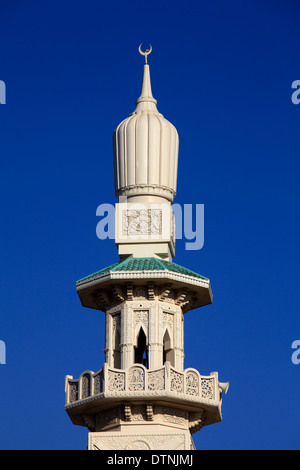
<point x="142" y="397"/>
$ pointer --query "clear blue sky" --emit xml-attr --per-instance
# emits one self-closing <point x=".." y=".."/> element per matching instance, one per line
<point x="222" y="74"/>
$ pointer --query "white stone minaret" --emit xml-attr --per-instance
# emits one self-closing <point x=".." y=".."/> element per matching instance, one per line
<point x="142" y="397"/>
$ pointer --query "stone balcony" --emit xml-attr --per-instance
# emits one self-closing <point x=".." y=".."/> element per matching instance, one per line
<point x="93" y="393"/>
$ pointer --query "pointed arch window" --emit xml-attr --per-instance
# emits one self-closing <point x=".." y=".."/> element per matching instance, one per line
<point x="116" y="350"/>
<point x="167" y="349"/>
<point x="141" y="349"/>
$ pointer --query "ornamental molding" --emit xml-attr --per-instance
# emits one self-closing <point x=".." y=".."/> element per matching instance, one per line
<point x="147" y="189"/>
<point x="115" y="288"/>
<point x="151" y="275"/>
<point x="137" y="381"/>
<point x="143" y="296"/>
<point x="139" y="441"/>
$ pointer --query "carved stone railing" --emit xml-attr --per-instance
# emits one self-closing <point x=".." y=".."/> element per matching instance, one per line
<point x="139" y="381"/>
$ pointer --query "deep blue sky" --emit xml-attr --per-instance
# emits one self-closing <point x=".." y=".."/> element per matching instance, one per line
<point x="222" y="73"/>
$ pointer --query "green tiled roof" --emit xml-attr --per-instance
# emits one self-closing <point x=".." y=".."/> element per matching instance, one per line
<point x="144" y="264"/>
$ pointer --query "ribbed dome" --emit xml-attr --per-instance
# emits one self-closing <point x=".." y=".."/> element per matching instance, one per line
<point x="146" y="149"/>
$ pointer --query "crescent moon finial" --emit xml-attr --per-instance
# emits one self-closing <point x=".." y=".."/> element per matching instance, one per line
<point x="146" y="53"/>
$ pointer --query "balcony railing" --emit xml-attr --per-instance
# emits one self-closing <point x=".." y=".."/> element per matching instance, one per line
<point x="139" y="381"/>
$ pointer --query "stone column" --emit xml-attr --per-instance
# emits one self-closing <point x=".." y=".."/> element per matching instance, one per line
<point x="126" y="346"/>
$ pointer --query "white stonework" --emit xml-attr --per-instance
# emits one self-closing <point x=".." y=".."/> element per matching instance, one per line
<point x="143" y="398"/>
<point x="145" y="228"/>
<point x="145" y="165"/>
<point x="162" y="324"/>
<point x="146" y="150"/>
<point x="146" y="440"/>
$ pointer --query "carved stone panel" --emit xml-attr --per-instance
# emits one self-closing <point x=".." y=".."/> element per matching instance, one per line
<point x="180" y="440"/>
<point x="156" y="380"/>
<point x="142" y="222"/>
<point x="207" y="388"/>
<point x="136" y="379"/>
<point x="141" y="316"/>
<point x="192" y="383"/>
<point x="176" y="382"/>
<point x="116" y="381"/>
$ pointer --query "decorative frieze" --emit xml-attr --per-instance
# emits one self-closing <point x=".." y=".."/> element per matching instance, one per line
<point x="137" y="378"/>
<point x="139" y="440"/>
<point x="119" y="293"/>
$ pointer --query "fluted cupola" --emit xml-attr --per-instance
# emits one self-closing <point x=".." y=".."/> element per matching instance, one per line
<point x="146" y="149"/>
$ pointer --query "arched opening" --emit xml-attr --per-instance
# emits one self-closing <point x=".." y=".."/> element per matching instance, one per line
<point x="141" y="350"/>
<point x="167" y="350"/>
<point x="116" y="351"/>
